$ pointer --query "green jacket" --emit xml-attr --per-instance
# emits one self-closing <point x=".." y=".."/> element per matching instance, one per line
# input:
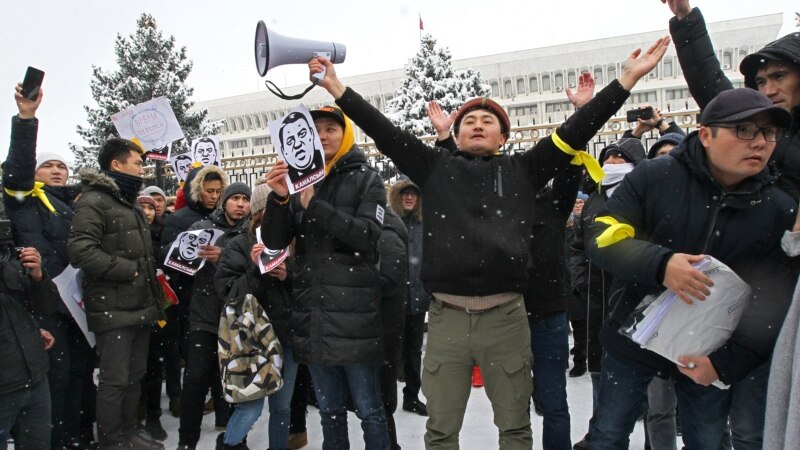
<point x="110" y="242"/>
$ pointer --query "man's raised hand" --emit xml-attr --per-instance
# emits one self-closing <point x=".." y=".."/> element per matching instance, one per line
<point x="640" y="64"/>
<point x="585" y="90"/>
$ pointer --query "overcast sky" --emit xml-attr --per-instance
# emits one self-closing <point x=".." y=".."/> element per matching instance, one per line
<point x="66" y="37"/>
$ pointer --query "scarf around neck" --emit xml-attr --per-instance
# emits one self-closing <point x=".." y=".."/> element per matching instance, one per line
<point x="129" y="185"/>
<point x="614" y="173"/>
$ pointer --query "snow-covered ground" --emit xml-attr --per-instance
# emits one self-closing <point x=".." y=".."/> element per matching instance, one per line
<point x="478" y="432"/>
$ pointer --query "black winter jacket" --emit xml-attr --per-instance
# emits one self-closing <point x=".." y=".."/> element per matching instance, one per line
<point x="336" y="286"/>
<point x="418" y="298"/>
<point x="548" y="287"/>
<point x="594" y="285"/>
<point x="25" y="361"/>
<point x="705" y="79"/>
<point x="237" y="276"/>
<point x="394" y="282"/>
<point x="32" y="223"/>
<point x="478" y="211"/>
<point x="110" y="242"/>
<point x="206" y="305"/>
<point x="180" y="221"/>
<point x="742" y="229"/>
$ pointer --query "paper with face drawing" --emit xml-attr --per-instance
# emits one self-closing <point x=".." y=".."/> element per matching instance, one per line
<point x="181" y="164"/>
<point x="183" y="254"/>
<point x="205" y="151"/>
<point x="270" y="259"/>
<point x="297" y="142"/>
<point x="152" y="122"/>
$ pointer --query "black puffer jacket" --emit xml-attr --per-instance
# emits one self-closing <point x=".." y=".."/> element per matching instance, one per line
<point x="548" y="286"/>
<point x="33" y="224"/>
<point x="742" y="229"/>
<point x="394" y="282"/>
<point x="592" y="282"/>
<point x="705" y="78"/>
<point x="237" y="276"/>
<point x="478" y="211"/>
<point x="180" y="221"/>
<point x="206" y="306"/>
<point x="336" y="287"/>
<point x="110" y="242"/>
<point x="25" y="361"/>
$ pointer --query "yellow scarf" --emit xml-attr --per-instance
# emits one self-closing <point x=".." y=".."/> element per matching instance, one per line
<point x="348" y="140"/>
<point x="37" y="192"/>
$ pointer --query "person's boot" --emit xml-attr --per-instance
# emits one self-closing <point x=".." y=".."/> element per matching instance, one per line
<point x="583" y="444"/>
<point x="141" y="441"/>
<point x="413" y="405"/>
<point x="222" y="446"/>
<point x="477" y="379"/>
<point x="297" y="440"/>
<point x="154" y="429"/>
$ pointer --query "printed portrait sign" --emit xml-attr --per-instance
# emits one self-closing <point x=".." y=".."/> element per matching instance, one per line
<point x="270" y="259"/>
<point x="184" y="253"/>
<point x="181" y="165"/>
<point x="296" y="142"/>
<point x="152" y="122"/>
<point x="206" y="151"/>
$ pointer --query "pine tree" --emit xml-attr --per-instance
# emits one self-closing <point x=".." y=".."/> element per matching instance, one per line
<point x="149" y="66"/>
<point x="430" y="76"/>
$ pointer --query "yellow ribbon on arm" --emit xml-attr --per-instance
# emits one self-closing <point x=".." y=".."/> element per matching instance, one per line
<point x="614" y="233"/>
<point x="580" y="158"/>
<point x="37" y="192"/>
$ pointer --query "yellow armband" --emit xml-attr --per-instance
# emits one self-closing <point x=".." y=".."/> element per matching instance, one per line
<point x="614" y="233"/>
<point x="580" y="158"/>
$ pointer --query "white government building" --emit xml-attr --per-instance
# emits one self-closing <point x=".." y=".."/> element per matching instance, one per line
<point x="530" y="85"/>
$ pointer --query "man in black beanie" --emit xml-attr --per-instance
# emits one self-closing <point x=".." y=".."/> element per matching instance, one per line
<point x="110" y="242"/>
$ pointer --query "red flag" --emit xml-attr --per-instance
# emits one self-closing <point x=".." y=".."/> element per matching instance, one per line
<point x="420" y="23"/>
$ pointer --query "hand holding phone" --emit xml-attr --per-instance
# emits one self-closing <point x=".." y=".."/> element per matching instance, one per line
<point x="645" y="113"/>
<point x="32" y="83"/>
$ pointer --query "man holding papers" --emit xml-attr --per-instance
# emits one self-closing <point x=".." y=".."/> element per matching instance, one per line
<point x="714" y="195"/>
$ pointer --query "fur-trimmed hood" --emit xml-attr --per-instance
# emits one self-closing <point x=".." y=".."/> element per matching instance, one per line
<point x="396" y="201"/>
<point x="193" y="187"/>
<point x="91" y="178"/>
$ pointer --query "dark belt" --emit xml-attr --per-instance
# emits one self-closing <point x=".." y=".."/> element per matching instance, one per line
<point x="469" y="310"/>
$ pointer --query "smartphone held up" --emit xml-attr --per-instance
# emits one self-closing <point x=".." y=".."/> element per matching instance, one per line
<point x="32" y="83"/>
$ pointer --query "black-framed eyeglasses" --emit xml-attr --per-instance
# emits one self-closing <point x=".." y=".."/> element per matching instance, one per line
<point x="748" y="132"/>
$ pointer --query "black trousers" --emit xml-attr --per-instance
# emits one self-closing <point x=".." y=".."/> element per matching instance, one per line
<point x="201" y="373"/>
<point x="123" y="363"/>
<point x="151" y="383"/>
<point x="412" y="354"/>
<point x="302" y="389"/>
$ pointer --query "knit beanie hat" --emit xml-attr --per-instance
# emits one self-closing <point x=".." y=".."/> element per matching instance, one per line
<point x="142" y="199"/>
<point x="234" y="189"/>
<point x="150" y="190"/>
<point x="43" y="157"/>
<point x="259" y="199"/>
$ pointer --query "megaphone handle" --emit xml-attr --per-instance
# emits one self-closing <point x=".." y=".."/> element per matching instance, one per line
<point x="319" y="76"/>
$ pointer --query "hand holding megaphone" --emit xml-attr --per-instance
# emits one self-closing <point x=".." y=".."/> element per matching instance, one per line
<point x="331" y="83"/>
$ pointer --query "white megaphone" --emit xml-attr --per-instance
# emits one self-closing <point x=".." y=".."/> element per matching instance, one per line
<point x="273" y="49"/>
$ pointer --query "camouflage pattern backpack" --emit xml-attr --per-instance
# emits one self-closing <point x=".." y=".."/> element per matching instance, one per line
<point x="250" y="356"/>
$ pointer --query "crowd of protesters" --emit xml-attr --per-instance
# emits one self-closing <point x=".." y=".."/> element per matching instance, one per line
<point x="506" y="255"/>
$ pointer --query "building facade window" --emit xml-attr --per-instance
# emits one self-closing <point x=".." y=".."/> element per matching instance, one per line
<point x="520" y="86"/>
<point x="495" y="89"/>
<point x="612" y="71"/>
<point x="668" y="67"/>
<point x="265" y="140"/>
<point x="571" y="79"/>
<point x="546" y="83"/>
<point x="533" y="84"/>
<point x="241" y="143"/>
<point x="508" y="90"/>
<point x="598" y="75"/>
<point x="559" y="81"/>
<point x="552" y="107"/>
<point x="727" y="60"/>
<point x="677" y="94"/>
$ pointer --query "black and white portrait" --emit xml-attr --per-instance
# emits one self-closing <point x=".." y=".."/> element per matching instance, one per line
<point x="298" y="144"/>
<point x="182" y="165"/>
<point x="183" y="254"/>
<point x="206" y="151"/>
